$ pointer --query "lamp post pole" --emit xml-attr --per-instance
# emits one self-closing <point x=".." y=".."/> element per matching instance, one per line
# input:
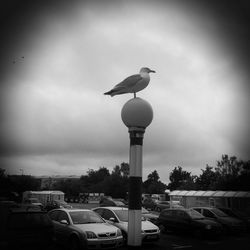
<point x="137" y="114"/>
<point x="135" y="186"/>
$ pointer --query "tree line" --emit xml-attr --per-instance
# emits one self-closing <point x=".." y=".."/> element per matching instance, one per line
<point x="228" y="174"/>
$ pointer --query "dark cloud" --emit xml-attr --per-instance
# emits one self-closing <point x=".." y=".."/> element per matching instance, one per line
<point x="21" y="20"/>
<point x="17" y="17"/>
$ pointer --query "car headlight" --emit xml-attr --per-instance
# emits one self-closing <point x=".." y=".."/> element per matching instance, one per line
<point x="90" y="235"/>
<point x="208" y="227"/>
<point x="119" y="232"/>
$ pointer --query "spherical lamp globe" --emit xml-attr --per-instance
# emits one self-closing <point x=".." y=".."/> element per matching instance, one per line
<point x="137" y="113"/>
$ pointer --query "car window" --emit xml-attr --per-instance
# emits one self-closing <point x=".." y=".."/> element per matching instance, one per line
<point x="208" y="213"/>
<point x="180" y="213"/>
<point x="63" y="216"/>
<point x="198" y="210"/>
<point x="195" y="214"/>
<point x="123" y="215"/>
<point x="183" y="215"/>
<point x="228" y="212"/>
<point x="219" y="212"/>
<point x="99" y="211"/>
<point x="167" y="212"/>
<point x="84" y="217"/>
<point x="107" y="214"/>
<point x="53" y="215"/>
<point x="165" y="202"/>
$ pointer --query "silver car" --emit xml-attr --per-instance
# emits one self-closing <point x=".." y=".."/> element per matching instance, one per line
<point x="83" y="228"/>
<point x="118" y="216"/>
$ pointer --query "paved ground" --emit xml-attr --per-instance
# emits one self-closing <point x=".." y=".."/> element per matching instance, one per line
<point x="176" y="242"/>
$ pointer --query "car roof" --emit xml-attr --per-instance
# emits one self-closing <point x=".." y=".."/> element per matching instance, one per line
<point x="177" y="208"/>
<point x="70" y="209"/>
<point x="113" y="208"/>
<point x="205" y="207"/>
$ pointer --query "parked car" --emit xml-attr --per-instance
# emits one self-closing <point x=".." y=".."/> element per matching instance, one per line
<point x="28" y="229"/>
<point x="57" y="204"/>
<point x="149" y="216"/>
<point x="159" y="206"/>
<point x="237" y="214"/>
<point x="83" y="228"/>
<point x="149" y="203"/>
<point x="108" y="201"/>
<point x="189" y="221"/>
<point x="118" y="216"/>
<point x="33" y="202"/>
<point x="229" y="224"/>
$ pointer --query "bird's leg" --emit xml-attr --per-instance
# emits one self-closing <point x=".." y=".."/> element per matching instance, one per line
<point x="134" y="95"/>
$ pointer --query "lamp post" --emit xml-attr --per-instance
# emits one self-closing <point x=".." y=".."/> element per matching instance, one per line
<point x="136" y="114"/>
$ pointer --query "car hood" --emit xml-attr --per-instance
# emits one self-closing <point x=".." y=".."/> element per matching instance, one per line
<point x="96" y="227"/>
<point x="229" y="220"/>
<point x="148" y="215"/>
<point x="145" y="225"/>
<point x="207" y="222"/>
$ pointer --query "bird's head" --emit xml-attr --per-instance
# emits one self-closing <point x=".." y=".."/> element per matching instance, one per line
<point x="146" y="70"/>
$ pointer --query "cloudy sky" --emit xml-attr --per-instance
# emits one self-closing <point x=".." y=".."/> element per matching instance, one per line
<point x="58" y="59"/>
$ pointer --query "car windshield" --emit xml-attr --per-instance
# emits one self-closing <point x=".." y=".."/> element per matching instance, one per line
<point x="144" y="210"/>
<point x="85" y="217"/>
<point x="219" y="212"/>
<point x="240" y="214"/>
<point x="123" y="215"/>
<point x="61" y="202"/>
<point x="195" y="215"/>
<point x="119" y="203"/>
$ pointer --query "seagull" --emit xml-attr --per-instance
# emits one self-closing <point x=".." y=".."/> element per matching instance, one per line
<point x="132" y="84"/>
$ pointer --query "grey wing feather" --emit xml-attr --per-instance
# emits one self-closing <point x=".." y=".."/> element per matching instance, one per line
<point x="129" y="81"/>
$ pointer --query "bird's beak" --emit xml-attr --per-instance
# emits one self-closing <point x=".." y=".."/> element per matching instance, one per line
<point x="152" y="71"/>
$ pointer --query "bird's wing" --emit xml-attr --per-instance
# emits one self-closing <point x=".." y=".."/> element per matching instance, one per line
<point x="129" y="81"/>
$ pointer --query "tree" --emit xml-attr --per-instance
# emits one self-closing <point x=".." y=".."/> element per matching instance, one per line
<point x="116" y="171"/>
<point x="125" y="169"/>
<point x="233" y="174"/>
<point x="180" y="179"/>
<point x="229" y="166"/>
<point x="117" y="184"/>
<point x="99" y="175"/>
<point x="5" y="184"/>
<point x="21" y="183"/>
<point x="153" y="185"/>
<point x="71" y="187"/>
<point x="207" y="180"/>
<point x="153" y="177"/>
<point x="94" y="181"/>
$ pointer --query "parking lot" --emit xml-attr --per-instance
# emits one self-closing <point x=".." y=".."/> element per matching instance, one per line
<point x="174" y="241"/>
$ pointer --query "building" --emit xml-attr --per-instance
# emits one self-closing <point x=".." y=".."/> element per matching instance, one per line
<point x="48" y="181"/>
<point x="239" y="200"/>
